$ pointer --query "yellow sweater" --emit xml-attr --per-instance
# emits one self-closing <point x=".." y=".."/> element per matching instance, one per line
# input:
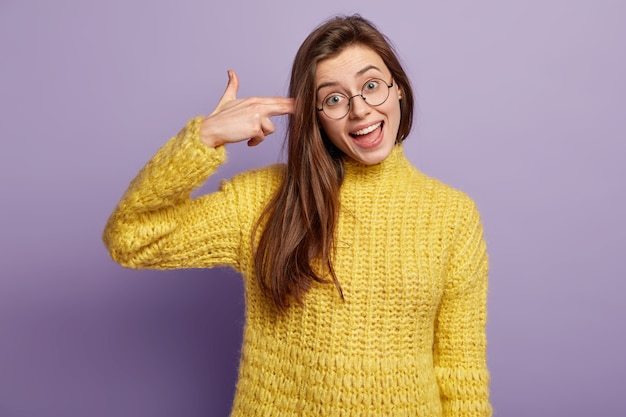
<point x="409" y="338"/>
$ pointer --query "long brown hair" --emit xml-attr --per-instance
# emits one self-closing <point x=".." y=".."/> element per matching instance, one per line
<point x="298" y="225"/>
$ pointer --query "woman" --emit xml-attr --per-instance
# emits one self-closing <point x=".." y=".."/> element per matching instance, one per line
<point x="365" y="280"/>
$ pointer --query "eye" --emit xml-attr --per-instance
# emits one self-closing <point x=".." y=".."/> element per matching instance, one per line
<point x="371" y="85"/>
<point x="333" y="100"/>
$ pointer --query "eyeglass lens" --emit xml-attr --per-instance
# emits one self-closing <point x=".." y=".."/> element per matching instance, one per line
<point x="374" y="92"/>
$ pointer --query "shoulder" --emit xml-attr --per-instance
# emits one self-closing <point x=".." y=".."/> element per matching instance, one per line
<point x="442" y="195"/>
<point x="255" y="186"/>
<point x="446" y="208"/>
<point x="454" y="215"/>
<point x="267" y="177"/>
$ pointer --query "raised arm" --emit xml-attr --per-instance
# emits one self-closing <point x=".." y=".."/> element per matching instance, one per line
<point x="157" y="224"/>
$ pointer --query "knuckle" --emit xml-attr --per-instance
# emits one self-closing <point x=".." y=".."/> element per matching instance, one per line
<point x="253" y="101"/>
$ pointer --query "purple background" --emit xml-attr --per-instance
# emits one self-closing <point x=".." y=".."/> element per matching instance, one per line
<point x="521" y="105"/>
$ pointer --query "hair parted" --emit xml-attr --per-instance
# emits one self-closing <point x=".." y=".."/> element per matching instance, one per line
<point x="298" y="225"/>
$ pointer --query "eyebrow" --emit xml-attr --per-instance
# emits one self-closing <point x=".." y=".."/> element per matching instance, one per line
<point x="360" y="72"/>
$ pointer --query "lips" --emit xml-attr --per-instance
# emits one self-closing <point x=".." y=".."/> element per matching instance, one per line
<point x="368" y="137"/>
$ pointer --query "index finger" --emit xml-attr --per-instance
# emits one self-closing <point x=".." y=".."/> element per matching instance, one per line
<point x="277" y="106"/>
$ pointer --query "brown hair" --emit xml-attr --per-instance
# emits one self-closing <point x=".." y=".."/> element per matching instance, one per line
<point x="299" y="222"/>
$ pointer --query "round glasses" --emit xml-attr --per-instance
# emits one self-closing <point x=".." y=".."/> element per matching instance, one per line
<point x="374" y="92"/>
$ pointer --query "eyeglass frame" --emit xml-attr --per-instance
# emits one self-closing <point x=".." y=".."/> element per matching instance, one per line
<point x="356" y="95"/>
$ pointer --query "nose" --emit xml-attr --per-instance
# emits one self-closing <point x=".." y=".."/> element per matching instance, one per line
<point x="358" y="108"/>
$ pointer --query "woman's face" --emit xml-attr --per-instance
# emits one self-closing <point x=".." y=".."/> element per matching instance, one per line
<point x="367" y="133"/>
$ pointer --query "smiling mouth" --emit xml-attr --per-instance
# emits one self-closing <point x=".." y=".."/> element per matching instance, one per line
<point x="367" y="130"/>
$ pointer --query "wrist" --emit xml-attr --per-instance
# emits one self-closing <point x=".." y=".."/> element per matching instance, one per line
<point x="207" y="136"/>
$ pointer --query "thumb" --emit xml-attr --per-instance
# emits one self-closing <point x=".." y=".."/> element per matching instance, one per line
<point x="232" y="87"/>
<point x="231" y="91"/>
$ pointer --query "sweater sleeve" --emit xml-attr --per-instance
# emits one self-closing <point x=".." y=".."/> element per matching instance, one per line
<point x="460" y="338"/>
<point x="157" y="224"/>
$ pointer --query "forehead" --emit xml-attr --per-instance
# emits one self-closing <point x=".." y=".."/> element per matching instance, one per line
<point x="348" y="65"/>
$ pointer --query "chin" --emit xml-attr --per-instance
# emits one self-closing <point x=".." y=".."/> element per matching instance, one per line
<point x="372" y="157"/>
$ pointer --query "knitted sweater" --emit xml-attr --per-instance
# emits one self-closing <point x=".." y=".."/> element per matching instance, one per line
<point x="409" y="337"/>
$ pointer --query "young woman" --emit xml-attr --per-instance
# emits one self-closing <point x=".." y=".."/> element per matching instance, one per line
<point x="365" y="280"/>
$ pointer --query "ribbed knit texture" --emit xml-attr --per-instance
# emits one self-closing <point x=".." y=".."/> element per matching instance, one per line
<point x="409" y="338"/>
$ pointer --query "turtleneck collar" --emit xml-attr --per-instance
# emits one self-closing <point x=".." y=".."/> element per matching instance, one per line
<point x="395" y="162"/>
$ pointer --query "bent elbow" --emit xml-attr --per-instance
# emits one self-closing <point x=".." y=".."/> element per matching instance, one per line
<point x="124" y="250"/>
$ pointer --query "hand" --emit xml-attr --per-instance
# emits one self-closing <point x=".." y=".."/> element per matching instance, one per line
<point x="236" y="120"/>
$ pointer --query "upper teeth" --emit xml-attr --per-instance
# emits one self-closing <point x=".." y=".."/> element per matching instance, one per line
<point x="367" y="129"/>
